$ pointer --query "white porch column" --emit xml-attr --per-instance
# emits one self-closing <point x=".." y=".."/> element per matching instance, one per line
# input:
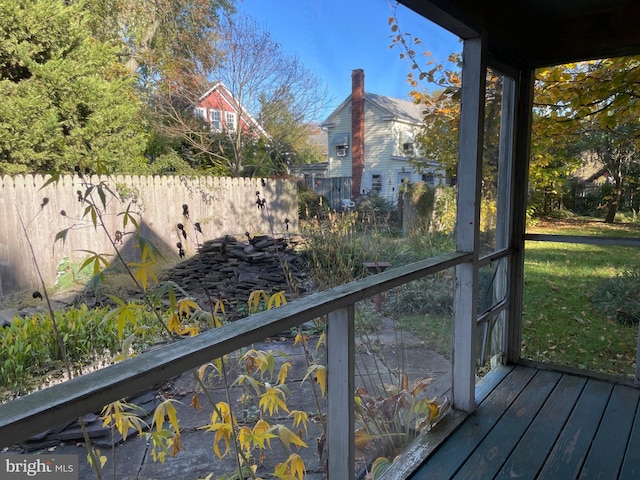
<point x="468" y="219"/>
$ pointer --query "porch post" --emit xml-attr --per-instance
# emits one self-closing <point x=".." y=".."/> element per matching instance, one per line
<point x="340" y="394"/>
<point x="504" y="218"/>
<point x="468" y="218"/>
<point x="513" y="334"/>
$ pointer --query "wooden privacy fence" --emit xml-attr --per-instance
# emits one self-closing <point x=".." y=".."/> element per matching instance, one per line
<point x="220" y="205"/>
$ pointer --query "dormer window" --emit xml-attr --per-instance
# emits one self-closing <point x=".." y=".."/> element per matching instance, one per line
<point x="407" y="143"/>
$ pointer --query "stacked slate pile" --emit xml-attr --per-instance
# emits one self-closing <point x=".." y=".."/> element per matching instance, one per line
<point x="229" y="269"/>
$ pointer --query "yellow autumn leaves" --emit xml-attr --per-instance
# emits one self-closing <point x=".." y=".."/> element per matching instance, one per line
<point x="262" y="374"/>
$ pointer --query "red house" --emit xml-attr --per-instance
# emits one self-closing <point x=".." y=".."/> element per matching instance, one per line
<point x="223" y="113"/>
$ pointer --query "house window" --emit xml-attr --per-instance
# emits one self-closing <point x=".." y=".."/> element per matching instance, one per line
<point x="407" y="143"/>
<point x="376" y="183"/>
<point x="404" y="177"/>
<point x="215" y="119"/>
<point x="428" y="179"/>
<point x="231" y="121"/>
<point x="201" y="113"/>
<point x="340" y="142"/>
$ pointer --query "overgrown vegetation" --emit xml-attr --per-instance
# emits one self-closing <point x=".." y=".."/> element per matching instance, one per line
<point x="337" y="251"/>
<point x="89" y="335"/>
<point x="155" y="311"/>
<point x="560" y="327"/>
<point x="619" y="297"/>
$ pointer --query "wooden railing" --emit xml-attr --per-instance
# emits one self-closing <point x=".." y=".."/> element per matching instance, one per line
<point x="26" y="416"/>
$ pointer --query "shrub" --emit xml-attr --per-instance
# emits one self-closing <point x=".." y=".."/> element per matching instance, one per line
<point x="378" y="211"/>
<point x="32" y="349"/>
<point x="619" y="297"/>
<point x="444" y="218"/>
<point x="334" y="251"/>
<point x="310" y="204"/>
<point x="433" y="294"/>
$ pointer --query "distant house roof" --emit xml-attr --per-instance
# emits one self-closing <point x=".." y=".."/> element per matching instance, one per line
<point x="225" y="93"/>
<point x="397" y="109"/>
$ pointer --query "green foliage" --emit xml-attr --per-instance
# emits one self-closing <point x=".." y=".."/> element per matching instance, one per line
<point x="65" y="96"/>
<point x="334" y="251"/>
<point x="338" y="247"/>
<point x="619" y="297"/>
<point x="159" y="51"/>
<point x="445" y="209"/>
<point x="378" y="211"/>
<point x="430" y="295"/>
<point x="584" y="108"/>
<point x="32" y="349"/>
<point x="310" y="204"/>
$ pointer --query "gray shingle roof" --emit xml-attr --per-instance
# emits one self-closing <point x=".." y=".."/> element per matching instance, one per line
<point x="403" y="110"/>
<point x="400" y="109"/>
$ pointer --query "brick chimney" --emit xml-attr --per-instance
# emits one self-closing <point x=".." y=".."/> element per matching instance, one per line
<point x="357" y="132"/>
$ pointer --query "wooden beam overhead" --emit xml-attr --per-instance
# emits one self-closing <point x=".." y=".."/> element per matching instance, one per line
<point x="537" y="33"/>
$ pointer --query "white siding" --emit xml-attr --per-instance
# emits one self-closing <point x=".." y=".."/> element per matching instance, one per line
<point x="340" y="166"/>
<point x="383" y="153"/>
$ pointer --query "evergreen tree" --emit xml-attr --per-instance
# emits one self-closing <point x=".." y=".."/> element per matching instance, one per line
<point x="67" y="100"/>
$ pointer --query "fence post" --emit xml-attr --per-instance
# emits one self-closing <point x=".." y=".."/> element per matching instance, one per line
<point x="340" y="391"/>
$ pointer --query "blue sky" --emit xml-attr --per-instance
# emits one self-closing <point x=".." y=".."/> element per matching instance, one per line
<point x="334" y="37"/>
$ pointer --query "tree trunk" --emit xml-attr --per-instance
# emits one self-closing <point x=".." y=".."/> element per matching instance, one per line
<point x="615" y="170"/>
<point x="614" y="203"/>
<point x="613" y="207"/>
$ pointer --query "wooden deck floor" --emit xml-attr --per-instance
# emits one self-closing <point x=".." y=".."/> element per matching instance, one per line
<point x="541" y="424"/>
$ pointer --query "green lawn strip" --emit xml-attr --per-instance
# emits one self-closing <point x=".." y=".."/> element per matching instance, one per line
<point x="561" y="324"/>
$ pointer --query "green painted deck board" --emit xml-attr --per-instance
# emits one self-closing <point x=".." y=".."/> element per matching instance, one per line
<point x="567" y="456"/>
<point x="534" y="447"/>
<point x="451" y="456"/>
<point x="631" y="463"/>
<point x="609" y="445"/>
<point x="542" y="424"/>
<point x="499" y="443"/>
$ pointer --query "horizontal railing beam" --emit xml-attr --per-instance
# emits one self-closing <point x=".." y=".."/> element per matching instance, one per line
<point x="34" y="413"/>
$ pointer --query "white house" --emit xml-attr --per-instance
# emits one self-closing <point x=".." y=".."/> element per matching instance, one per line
<point x="371" y="139"/>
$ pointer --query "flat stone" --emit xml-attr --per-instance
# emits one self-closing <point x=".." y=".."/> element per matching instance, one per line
<point x="7" y="316"/>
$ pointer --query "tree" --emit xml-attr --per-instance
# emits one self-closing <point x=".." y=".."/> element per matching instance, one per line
<point x="438" y="136"/>
<point x="596" y="106"/>
<point x="65" y="97"/>
<point x="275" y="87"/>
<point x="589" y="107"/>
<point x="157" y="39"/>
<point x="265" y="79"/>
<point x="285" y="119"/>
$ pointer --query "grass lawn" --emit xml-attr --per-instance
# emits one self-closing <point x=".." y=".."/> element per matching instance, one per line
<point x="561" y="322"/>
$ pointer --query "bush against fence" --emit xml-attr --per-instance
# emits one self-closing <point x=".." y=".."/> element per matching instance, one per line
<point x="219" y="206"/>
